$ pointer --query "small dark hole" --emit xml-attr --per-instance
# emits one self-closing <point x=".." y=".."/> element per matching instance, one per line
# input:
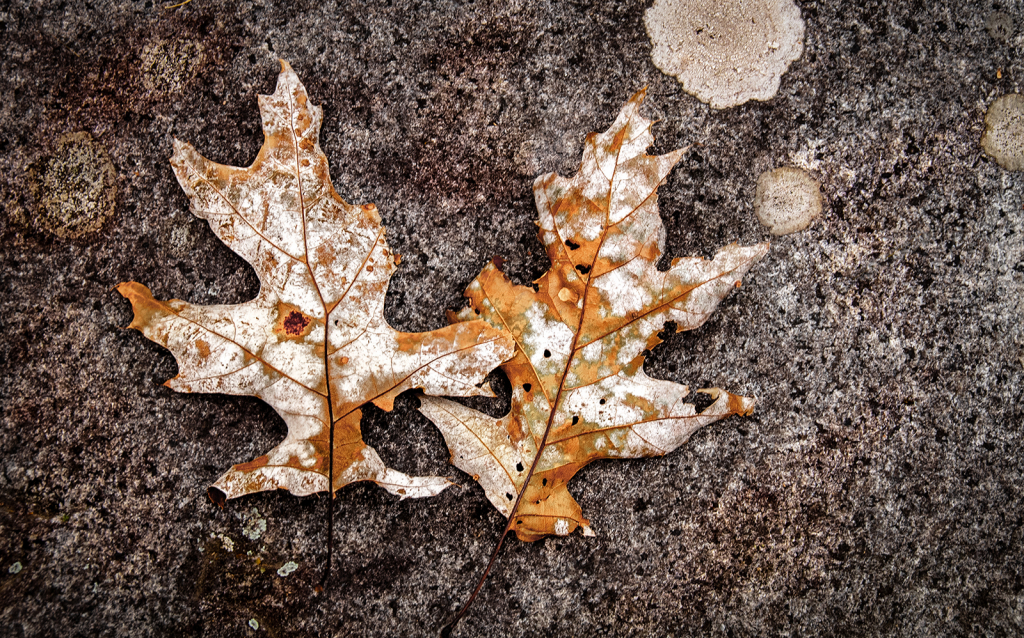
<point x="572" y="245"/>
<point x="602" y="401"/>
<point x="583" y="269"/>
<point x="575" y="420"/>
<point x="544" y="482"/>
<point x="527" y="386"/>
<point x="477" y="310"/>
<point x="508" y="496"/>
<point x="519" y="467"/>
<point x="547" y="354"/>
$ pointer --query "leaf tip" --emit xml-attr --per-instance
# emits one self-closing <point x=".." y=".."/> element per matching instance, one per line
<point x="639" y="96"/>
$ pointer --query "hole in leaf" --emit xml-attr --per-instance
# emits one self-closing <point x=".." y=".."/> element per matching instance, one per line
<point x="508" y="496"/>
<point x="602" y="402"/>
<point x="477" y="310"/>
<point x="583" y="269"/>
<point x="544" y="482"/>
<point x="519" y="467"/>
<point x="575" y="420"/>
<point x="547" y="354"/>
<point x="571" y="244"/>
<point x="701" y="401"/>
<point x="527" y="387"/>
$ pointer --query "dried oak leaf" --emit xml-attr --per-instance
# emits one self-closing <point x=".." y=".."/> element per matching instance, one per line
<point x="314" y="343"/>
<point x="579" y="392"/>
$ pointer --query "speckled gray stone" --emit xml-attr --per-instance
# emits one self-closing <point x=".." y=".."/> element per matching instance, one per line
<point x="876" y="490"/>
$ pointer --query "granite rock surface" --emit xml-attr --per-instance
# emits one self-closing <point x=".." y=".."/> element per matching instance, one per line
<point x="877" y="490"/>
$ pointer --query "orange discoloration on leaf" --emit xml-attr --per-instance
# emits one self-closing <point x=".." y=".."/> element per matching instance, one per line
<point x="579" y="392"/>
<point x="253" y="464"/>
<point x="203" y="348"/>
<point x="314" y="343"/>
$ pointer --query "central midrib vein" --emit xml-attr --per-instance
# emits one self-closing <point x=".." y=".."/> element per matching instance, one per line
<point x="554" y="408"/>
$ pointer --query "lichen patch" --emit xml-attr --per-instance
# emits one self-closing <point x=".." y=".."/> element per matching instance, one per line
<point x="725" y="52"/>
<point x="255" y="525"/>
<point x="787" y="200"/>
<point x="75" y="189"/>
<point x="1004" y="131"/>
<point x="168" y="65"/>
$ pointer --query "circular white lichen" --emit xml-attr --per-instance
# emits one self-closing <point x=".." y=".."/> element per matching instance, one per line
<point x="255" y="624"/>
<point x="787" y="200"/>
<point x="287" y="568"/>
<point x="226" y="542"/>
<point x="15" y="568"/>
<point x="725" y="52"/>
<point x="1004" y="131"/>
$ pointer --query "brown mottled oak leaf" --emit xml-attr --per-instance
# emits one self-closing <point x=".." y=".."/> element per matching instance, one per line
<point x="579" y="391"/>
<point x="314" y="343"/>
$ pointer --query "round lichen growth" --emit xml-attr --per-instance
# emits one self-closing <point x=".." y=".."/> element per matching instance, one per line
<point x="787" y="200"/>
<point x="75" y="188"/>
<point x="1004" y="131"/>
<point x="999" y="26"/>
<point x="725" y="52"/>
<point x="168" y="65"/>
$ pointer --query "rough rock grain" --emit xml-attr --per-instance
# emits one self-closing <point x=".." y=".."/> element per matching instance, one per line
<point x="876" y="490"/>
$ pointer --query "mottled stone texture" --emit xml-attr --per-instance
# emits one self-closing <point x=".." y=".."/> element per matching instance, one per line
<point x="876" y="490"/>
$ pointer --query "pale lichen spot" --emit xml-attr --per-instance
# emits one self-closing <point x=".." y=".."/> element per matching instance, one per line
<point x="287" y="568"/>
<point x="255" y="525"/>
<point x="787" y="200"/>
<point x="226" y="542"/>
<point x="725" y="52"/>
<point x="1004" y="131"/>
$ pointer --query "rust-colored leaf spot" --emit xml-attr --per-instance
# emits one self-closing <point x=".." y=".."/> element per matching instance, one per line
<point x="203" y="348"/>
<point x="295" y="323"/>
